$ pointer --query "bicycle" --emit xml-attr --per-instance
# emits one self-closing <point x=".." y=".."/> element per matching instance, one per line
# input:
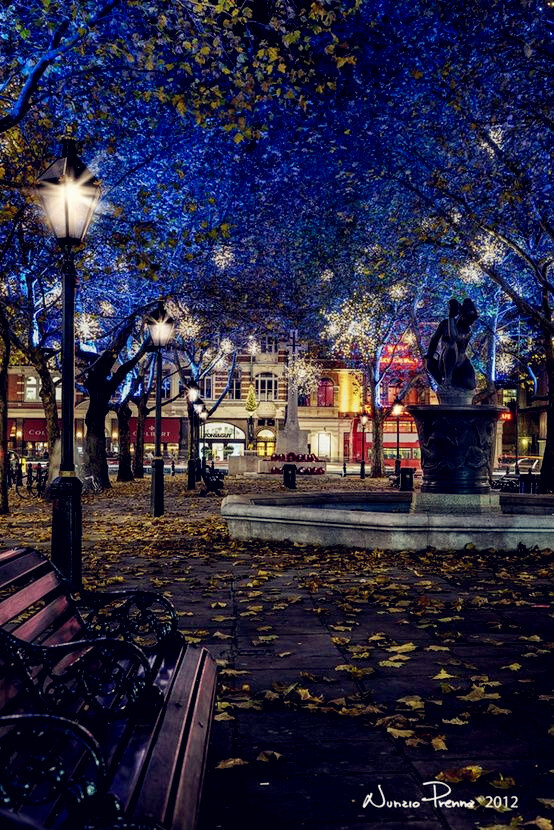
<point x="28" y="484"/>
<point x="91" y="484"/>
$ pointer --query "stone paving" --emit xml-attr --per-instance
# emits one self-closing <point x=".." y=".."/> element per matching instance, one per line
<point x="347" y="678"/>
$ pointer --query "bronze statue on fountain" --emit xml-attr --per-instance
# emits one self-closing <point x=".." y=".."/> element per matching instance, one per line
<point x="456" y="437"/>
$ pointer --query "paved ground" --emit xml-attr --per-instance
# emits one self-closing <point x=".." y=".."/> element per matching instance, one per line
<point x="348" y="679"/>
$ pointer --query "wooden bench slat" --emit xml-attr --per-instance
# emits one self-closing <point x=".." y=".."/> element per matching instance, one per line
<point x="18" y="602"/>
<point x="169" y="746"/>
<point x="58" y="618"/>
<point x="21" y="562"/>
<point x="155" y="753"/>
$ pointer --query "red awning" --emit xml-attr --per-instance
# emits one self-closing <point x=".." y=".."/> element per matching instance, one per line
<point x="170" y="430"/>
<point x="34" y="429"/>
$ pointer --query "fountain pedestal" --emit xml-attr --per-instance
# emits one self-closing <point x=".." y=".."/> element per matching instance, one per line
<point x="457" y="444"/>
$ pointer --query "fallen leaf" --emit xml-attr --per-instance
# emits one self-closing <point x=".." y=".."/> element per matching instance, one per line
<point x="231" y="762"/>
<point x="223" y="716"/>
<point x="269" y="755"/>
<point x="400" y="733"/>
<point x="443" y="675"/>
<point x="454" y="776"/>
<point x="438" y="744"/>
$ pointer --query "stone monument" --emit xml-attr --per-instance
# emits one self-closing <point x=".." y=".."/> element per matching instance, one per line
<point x="456" y="437"/>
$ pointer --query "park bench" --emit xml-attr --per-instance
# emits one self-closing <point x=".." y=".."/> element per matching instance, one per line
<point x="213" y="480"/>
<point x="105" y="712"/>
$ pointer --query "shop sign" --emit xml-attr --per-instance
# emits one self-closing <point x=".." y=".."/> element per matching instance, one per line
<point x="34" y="429"/>
<point x="170" y="430"/>
<point x="223" y="431"/>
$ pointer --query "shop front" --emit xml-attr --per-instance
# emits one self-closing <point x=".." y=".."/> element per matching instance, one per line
<point x="171" y="428"/>
<point x="219" y="440"/>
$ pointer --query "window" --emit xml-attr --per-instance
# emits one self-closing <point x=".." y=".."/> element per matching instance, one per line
<point x="325" y="392"/>
<point x="266" y="386"/>
<point x="268" y="345"/>
<point x="166" y="387"/>
<point x="265" y="443"/>
<point x="31" y="389"/>
<point x="303" y="400"/>
<point x="234" y="390"/>
<point x="205" y="386"/>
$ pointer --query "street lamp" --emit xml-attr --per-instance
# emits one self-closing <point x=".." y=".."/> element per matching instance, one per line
<point x="397" y="411"/>
<point x="68" y="193"/>
<point x="363" y="421"/>
<point x="160" y="326"/>
<point x="193" y="395"/>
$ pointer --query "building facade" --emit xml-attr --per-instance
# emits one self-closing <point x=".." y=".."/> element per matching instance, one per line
<point x="330" y="414"/>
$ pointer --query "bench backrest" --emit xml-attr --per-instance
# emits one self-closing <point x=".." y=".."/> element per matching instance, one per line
<point x="35" y="604"/>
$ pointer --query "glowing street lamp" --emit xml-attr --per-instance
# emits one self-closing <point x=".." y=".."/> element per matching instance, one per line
<point x="160" y="326"/>
<point x="363" y="421"/>
<point x="68" y="193"/>
<point x="397" y="411"/>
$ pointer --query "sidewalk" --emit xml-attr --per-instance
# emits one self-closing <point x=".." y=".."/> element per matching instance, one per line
<point x="347" y="677"/>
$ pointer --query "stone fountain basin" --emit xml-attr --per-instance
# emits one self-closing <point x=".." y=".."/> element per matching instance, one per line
<point x="382" y="520"/>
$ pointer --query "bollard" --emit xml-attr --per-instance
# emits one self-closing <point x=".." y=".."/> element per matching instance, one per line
<point x="406" y="478"/>
<point x="289" y="476"/>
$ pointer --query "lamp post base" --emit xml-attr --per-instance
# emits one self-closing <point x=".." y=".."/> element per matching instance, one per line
<point x="67" y="528"/>
<point x="362" y="469"/>
<point x="191" y="474"/>
<point x="157" y="492"/>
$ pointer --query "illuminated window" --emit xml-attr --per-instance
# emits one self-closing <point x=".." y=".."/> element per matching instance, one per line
<point x="166" y="387"/>
<point x="325" y="392"/>
<point x="31" y="389"/>
<point x="266" y="387"/>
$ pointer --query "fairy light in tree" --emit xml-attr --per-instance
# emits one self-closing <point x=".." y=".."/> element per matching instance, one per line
<point x="223" y="257"/>
<point x="303" y="373"/>
<point x="326" y="275"/>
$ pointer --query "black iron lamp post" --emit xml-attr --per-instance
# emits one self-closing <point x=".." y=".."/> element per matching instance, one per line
<point x="363" y="421"/>
<point x="69" y="193"/>
<point x="160" y="326"/>
<point x="193" y="396"/>
<point x="397" y="411"/>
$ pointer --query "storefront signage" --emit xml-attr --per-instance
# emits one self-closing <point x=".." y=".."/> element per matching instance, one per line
<point x="170" y="430"/>
<point x="34" y="429"/>
<point x="222" y="431"/>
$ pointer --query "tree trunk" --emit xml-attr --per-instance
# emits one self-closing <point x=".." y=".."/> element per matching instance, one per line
<point x="50" y="406"/>
<point x="95" y="460"/>
<point x="4" y="360"/>
<point x="546" y="482"/>
<point x="377" y="419"/>
<point x="377" y="456"/>
<point x="138" y="462"/>
<point x="124" y="472"/>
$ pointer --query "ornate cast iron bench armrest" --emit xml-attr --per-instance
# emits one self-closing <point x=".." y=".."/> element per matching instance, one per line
<point x="145" y="618"/>
<point x="52" y="769"/>
<point x="108" y="675"/>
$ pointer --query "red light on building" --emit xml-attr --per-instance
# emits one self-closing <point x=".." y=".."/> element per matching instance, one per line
<point x="506" y="416"/>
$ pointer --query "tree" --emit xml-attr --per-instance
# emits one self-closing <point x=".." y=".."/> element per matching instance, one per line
<point x="367" y="330"/>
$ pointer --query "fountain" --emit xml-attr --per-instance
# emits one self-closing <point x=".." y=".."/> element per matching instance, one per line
<point x="455" y="506"/>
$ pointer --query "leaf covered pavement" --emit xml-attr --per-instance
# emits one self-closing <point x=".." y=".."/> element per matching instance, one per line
<point x="342" y="671"/>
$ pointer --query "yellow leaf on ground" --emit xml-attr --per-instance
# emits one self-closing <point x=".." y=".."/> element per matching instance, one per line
<point x="223" y="716"/>
<point x="231" y="762"/>
<point x="400" y="733"/>
<point x="403" y="649"/>
<point x="413" y="701"/>
<point x="438" y="744"/>
<point x="453" y="776"/>
<point x="512" y="667"/>
<point x="269" y="755"/>
<point x="443" y="675"/>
